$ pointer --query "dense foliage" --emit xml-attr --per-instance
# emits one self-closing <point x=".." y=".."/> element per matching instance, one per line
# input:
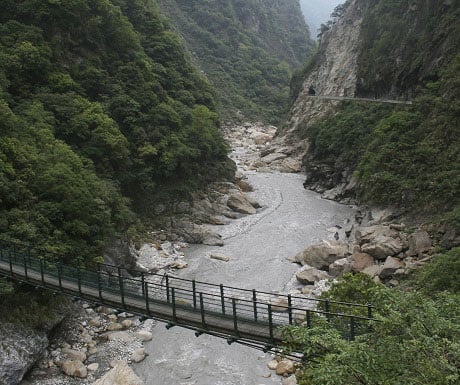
<point x="404" y="155"/>
<point x="415" y="341"/>
<point x="247" y="49"/>
<point x="101" y="111"/>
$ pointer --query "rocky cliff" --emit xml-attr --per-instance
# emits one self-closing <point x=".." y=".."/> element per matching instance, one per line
<point x="369" y="149"/>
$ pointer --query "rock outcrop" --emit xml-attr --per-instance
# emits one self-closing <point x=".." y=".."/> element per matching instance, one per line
<point x="20" y="347"/>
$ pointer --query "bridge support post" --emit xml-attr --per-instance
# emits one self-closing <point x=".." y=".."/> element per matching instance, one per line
<point x="352" y="328"/>
<point x="173" y="298"/>
<point x="24" y="260"/>
<point x="59" y="269"/>
<point x="10" y="260"/>
<point x="254" y="303"/>
<point x="79" y="278"/>
<point x="222" y="298"/>
<point x="122" y="292"/>
<point x="308" y="319"/>
<point x="42" y="271"/>
<point x="99" y="284"/>
<point x="146" y="293"/>
<point x="203" y="321"/>
<point x="270" y="321"/>
<point x="143" y="284"/>
<point x="235" y="319"/>
<point x="290" y="308"/>
<point x="194" y="293"/>
<point x="167" y="287"/>
<point x="328" y="309"/>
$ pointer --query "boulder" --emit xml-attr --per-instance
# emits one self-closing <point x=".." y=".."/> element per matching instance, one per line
<point x="380" y="241"/>
<point x="323" y="254"/>
<point x="309" y="275"/>
<point x="121" y="374"/>
<point x="390" y="266"/>
<point x="114" y="326"/>
<point x="340" y="267"/>
<point x="373" y="270"/>
<point x="419" y="243"/>
<point x="127" y="323"/>
<point x="93" y="367"/>
<point x="138" y="355"/>
<point x="74" y="368"/>
<point x="220" y="257"/>
<point x="360" y="261"/>
<point x="285" y="367"/>
<point x="272" y="364"/>
<point x="144" y="335"/>
<point x="74" y="355"/>
<point x="238" y="203"/>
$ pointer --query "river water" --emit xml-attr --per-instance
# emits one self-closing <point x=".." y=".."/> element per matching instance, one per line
<point x="292" y="219"/>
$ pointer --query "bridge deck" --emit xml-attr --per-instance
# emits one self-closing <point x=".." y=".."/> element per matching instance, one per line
<point x="236" y="314"/>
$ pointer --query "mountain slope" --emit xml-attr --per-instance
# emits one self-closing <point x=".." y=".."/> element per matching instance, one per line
<point x="102" y="111"/>
<point x="247" y="50"/>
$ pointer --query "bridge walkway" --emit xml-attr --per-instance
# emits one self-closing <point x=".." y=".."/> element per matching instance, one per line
<point x="239" y="315"/>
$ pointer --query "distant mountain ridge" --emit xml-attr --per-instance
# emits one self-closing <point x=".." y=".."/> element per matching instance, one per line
<point x="246" y="48"/>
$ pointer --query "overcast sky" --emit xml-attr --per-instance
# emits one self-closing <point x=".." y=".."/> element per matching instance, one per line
<point x="317" y="12"/>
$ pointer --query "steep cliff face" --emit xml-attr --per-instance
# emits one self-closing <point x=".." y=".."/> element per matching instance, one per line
<point x="246" y="48"/>
<point x="392" y="154"/>
<point x="333" y="71"/>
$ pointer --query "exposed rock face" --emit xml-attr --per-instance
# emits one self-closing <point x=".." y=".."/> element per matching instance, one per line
<point x="335" y="74"/>
<point x="121" y="374"/>
<point x="19" y="349"/>
<point x="239" y="203"/>
<point x="380" y="241"/>
<point x="323" y="254"/>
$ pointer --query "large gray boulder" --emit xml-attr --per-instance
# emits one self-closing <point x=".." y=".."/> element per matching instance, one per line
<point x="419" y="243"/>
<point x="20" y="347"/>
<point x="340" y="267"/>
<point x="380" y="241"/>
<point x="323" y="254"/>
<point x="309" y="275"/>
<point x="390" y="266"/>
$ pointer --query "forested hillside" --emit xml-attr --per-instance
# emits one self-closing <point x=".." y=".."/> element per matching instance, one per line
<point x="405" y="156"/>
<point x="247" y="49"/>
<point x="101" y="112"/>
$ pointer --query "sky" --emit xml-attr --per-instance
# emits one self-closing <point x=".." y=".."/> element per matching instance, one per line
<point x="317" y="12"/>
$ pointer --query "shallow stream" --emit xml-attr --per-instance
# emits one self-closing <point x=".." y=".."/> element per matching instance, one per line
<point x="258" y="245"/>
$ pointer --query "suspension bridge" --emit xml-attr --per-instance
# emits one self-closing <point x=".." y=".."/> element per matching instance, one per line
<point x="239" y="315"/>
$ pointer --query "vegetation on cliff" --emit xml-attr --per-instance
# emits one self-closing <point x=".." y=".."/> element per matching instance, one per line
<point x="405" y="155"/>
<point x="247" y="49"/>
<point x="101" y="111"/>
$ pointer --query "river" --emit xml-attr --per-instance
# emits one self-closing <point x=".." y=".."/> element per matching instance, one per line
<point x="292" y="219"/>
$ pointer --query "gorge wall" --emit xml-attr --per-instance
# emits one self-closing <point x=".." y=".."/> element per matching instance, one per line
<point x="373" y="151"/>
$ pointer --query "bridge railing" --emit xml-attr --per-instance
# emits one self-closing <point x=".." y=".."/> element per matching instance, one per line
<point x="118" y="286"/>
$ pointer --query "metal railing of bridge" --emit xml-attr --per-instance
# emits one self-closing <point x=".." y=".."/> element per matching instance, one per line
<point x="234" y="313"/>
